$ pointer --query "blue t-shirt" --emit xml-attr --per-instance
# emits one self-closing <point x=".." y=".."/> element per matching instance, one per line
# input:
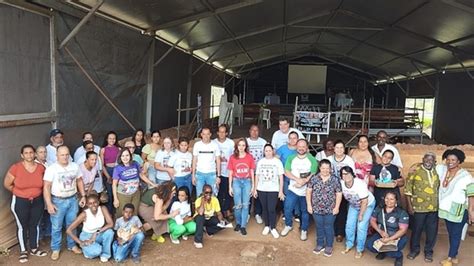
<point x="284" y="152"/>
<point x="128" y="178"/>
<point x="133" y="221"/>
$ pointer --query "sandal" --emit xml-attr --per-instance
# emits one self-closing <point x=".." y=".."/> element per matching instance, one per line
<point x="38" y="253"/>
<point x="23" y="257"/>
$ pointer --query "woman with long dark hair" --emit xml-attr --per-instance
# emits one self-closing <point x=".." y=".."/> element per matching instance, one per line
<point x="139" y="139"/>
<point x="364" y="158"/>
<point x="108" y="156"/>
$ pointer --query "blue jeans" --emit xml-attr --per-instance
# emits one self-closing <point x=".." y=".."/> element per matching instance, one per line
<point x="292" y="202"/>
<point x="392" y="254"/>
<point x="353" y="224"/>
<point x="241" y="188"/>
<point x="286" y="183"/>
<point x="184" y="181"/>
<point x="101" y="247"/>
<point x="66" y="212"/>
<point x="324" y="229"/>
<point x="203" y="179"/>
<point x="132" y="246"/>
<point x="454" y="235"/>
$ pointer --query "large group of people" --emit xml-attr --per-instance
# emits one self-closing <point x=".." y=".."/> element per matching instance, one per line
<point x="107" y="197"/>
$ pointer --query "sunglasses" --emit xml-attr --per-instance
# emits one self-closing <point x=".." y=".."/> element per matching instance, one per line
<point x="207" y="192"/>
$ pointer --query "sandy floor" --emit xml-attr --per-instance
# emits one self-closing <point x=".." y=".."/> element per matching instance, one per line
<point x="224" y="248"/>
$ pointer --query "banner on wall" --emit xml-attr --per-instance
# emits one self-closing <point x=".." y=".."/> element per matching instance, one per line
<point x="312" y="122"/>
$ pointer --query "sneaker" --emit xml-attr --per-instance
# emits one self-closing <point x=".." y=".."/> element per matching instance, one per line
<point x="428" y="257"/>
<point x="380" y="256"/>
<point x="358" y="255"/>
<point x="266" y="230"/>
<point x="318" y="250"/>
<point x="412" y="255"/>
<point x="197" y="245"/>
<point x="259" y="219"/>
<point x="104" y="259"/>
<point x="339" y="238"/>
<point x="243" y="231"/>
<point x="55" y="255"/>
<point x="237" y="228"/>
<point x="76" y="250"/>
<point x="283" y="217"/>
<point x="399" y="261"/>
<point x="275" y="233"/>
<point x="157" y="238"/>
<point x="174" y="241"/>
<point x="297" y="219"/>
<point x="328" y="252"/>
<point x="286" y="230"/>
<point x="449" y="261"/>
<point x="185" y="238"/>
<point x="304" y="235"/>
<point x="136" y="260"/>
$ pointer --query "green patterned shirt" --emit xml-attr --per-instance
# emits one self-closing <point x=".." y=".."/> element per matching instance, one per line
<point x="422" y="187"/>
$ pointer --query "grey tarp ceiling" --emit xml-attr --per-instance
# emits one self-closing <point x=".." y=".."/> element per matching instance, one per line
<point x="381" y="39"/>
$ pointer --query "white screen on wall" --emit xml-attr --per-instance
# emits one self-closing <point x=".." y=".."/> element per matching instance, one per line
<point x="309" y="79"/>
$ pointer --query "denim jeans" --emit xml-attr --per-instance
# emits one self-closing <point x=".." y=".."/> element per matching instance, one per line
<point x="132" y="246"/>
<point x="428" y="222"/>
<point x="286" y="184"/>
<point x="203" y="179"/>
<point x="101" y="246"/>
<point x="241" y="188"/>
<point x="324" y="229"/>
<point x="392" y="254"/>
<point x="454" y="235"/>
<point x="184" y="181"/>
<point x="66" y="212"/>
<point x="293" y="201"/>
<point x="353" y="225"/>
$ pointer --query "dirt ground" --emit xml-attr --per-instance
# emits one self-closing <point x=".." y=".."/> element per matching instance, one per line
<point x="225" y="247"/>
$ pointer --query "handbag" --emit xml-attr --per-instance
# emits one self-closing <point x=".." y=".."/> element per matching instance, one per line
<point x="391" y="245"/>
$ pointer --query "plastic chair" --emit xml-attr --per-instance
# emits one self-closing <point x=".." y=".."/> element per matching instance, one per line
<point x="266" y="117"/>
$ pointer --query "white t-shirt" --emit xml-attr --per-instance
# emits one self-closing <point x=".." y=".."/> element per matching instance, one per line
<point x="163" y="158"/>
<point x="279" y="138"/>
<point x="80" y="151"/>
<point x="321" y="155"/>
<point x="256" y="148"/>
<point x="51" y="154"/>
<point x="337" y="165"/>
<point x="357" y="192"/>
<point x="63" y="179"/>
<point x="268" y="172"/>
<point x="300" y="167"/>
<point x="206" y="156"/>
<point x="396" y="155"/>
<point x="184" y="210"/>
<point x="226" y="149"/>
<point x="181" y="162"/>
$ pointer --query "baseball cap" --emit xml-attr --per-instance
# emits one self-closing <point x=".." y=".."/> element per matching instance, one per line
<point x="55" y="131"/>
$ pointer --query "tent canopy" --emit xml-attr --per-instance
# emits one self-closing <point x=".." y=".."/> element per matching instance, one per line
<point x="382" y="40"/>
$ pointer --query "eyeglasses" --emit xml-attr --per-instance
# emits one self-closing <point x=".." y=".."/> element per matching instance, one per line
<point x="208" y="192"/>
<point x="343" y="173"/>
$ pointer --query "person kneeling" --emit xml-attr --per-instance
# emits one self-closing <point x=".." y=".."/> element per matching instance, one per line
<point x="97" y="234"/>
<point x="391" y="224"/>
<point x="130" y="235"/>
<point x="183" y="223"/>
<point x="207" y="208"/>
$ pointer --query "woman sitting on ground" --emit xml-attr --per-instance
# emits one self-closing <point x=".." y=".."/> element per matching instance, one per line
<point x="182" y="225"/>
<point x="97" y="234"/>
<point x="153" y="209"/>
<point x="390" y="223"/>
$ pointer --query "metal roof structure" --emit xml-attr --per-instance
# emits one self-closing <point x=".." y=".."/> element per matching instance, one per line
<point x="385" y="40"/>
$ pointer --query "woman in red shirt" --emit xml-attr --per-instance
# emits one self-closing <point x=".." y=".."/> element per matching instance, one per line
<point x="241" y="168"/>
<point x="25" y="180"/>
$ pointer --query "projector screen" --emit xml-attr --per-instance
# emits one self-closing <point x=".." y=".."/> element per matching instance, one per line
<point x="307" y="79"/>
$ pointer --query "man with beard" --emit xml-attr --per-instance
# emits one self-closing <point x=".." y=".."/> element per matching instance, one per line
<point x="422" y="203"/>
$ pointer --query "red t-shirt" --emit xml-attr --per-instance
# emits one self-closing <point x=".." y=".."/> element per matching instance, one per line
<point x="27" y="185"/>
<point x="241" y="167"/>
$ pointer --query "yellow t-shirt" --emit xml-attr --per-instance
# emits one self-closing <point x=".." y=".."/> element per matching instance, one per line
<point x="150" y="153"/>
<point x="210" y="209"/>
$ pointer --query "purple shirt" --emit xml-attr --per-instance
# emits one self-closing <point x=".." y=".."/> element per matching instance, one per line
<point x="128" y="178"/>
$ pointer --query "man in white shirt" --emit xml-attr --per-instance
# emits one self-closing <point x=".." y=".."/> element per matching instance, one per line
<point x="280" y="137"/>
<point x="80" y="151"/>
<point x="256" y="145"/>
<point x="206" y="163"/>
<point x="226" y="148"/>
<point x="56" y="136"/>
<point x="382" y="146"/>
<point x="62" y="181"/>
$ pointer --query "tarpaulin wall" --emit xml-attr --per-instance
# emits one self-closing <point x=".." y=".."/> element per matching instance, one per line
<point x="25" y="87"/>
